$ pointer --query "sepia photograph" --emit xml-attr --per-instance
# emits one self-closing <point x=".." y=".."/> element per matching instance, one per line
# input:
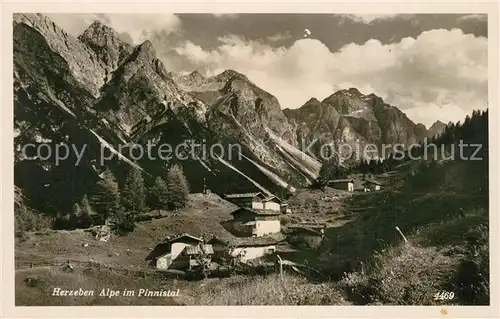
<point x="251" y="159"/>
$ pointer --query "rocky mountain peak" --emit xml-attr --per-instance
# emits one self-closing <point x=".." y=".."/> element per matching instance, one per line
<point x="354" y="91"/>
<point x="82" y="60"/>
<point x="96" y="25"/>
<point x="313" y="100"/>
<point x="196" y="74"/>
<point x="106" y="44"/>
<point x="436" y="128"/>
<point x="98" y="32"/>
<point x="347" y="93"/>
<point x="229" y="75"/>
<point x="438" y="123"/>
<point x="146" y="50"/>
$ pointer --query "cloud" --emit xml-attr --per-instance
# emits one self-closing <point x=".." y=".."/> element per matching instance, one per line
<point x="280" y="37"/>
<point x="369" y="18"/>
<point x="138" y="27"/>
<point x="441" y="74"/>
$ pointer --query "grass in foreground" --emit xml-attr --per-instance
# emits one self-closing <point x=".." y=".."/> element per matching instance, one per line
<point x="267" y="290"/>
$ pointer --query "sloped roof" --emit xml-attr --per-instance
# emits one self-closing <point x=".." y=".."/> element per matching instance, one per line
<point x="341" y="181"/>
<point x="182" y="236"/>
<point x="243" y="195"/>
<point x="160" y="250"/>
<point x="305" y="230"/>
<point x="165" y="247"/>
<point x="308" y="225"/>
<point x="250" y="241"/>
<point x="371" y="181"/>
<point x="261" y="212"/>
<point x="272" y="197"/>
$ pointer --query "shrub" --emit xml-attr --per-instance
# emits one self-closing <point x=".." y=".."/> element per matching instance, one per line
<point x="29" y="220"/>
<point x="400" y="275"/>
<point x="123" y="223"/>
<point x="472" y="277"/>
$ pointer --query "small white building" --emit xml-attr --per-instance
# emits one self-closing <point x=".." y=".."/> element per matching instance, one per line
<point x="371" y="185"/>
<point x="256" y="222"/>
<point x="272" y="203"/>
<point x="246" y="252"/>
<point x="246" y="249"/>
<point x="247" y="200"/>
<point x="343" y="184"/>
<point x="179" y="252"/>
<point x="285" y="209"/>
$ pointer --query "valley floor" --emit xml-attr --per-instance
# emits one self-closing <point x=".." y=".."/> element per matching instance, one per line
<point x="363" y="260"/>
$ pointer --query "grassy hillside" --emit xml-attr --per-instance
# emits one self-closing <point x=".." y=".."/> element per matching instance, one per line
<point x="201" y="217"/>
<point x="440" y="206"/>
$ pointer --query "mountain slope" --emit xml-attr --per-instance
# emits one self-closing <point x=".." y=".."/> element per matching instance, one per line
<point x="351" y="118"/>
<point x="101" y="95"/>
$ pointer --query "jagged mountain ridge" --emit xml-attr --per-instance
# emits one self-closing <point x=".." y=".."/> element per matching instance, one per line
<point x="345" y="117"/>
<point x="352" y="118"/>
<point x="98" y="91"/>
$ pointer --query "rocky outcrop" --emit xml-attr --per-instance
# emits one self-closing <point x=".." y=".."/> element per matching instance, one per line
<point x="107" y="45"/>
<point x="141" y="90"/>
<point x="354" y="120"/>
<point x="97" y="91"/>
<point x="82" y="62"/>
<point x="436" y="129"/>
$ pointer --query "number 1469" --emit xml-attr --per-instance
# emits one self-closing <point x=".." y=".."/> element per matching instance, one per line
<point x="444" y="295"/>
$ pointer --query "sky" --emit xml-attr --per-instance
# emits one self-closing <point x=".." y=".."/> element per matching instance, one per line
<point x="431" y="66"/>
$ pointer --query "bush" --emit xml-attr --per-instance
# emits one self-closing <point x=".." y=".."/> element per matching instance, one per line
<point x="29" y="220"/>
<point x="123" y="224"/>
<point x="401" y="275"/>
<point x="472" y="277"/>
<point x="284" y="221"/>
<point x="143" y="218"/>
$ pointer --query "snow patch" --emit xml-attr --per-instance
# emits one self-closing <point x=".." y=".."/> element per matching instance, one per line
<point x="126" y="128"/>
<point x="114" y="151"/>
<point x="61" y="104"/>
<point x="242" y="174"/>
<point x="302" y="158"/>
<point x="41" y="139"/>
<point x="296" y="165"/>
<point x="358" y="111"/>
<point x="268" y="173"/>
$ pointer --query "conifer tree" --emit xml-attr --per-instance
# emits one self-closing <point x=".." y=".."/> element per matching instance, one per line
<point x="178" y="188"/>
<point x="134" y="192"/>
<point x="159" y="193"/>
<point x="106" y="199"/>
<point x="86" y="212"/>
